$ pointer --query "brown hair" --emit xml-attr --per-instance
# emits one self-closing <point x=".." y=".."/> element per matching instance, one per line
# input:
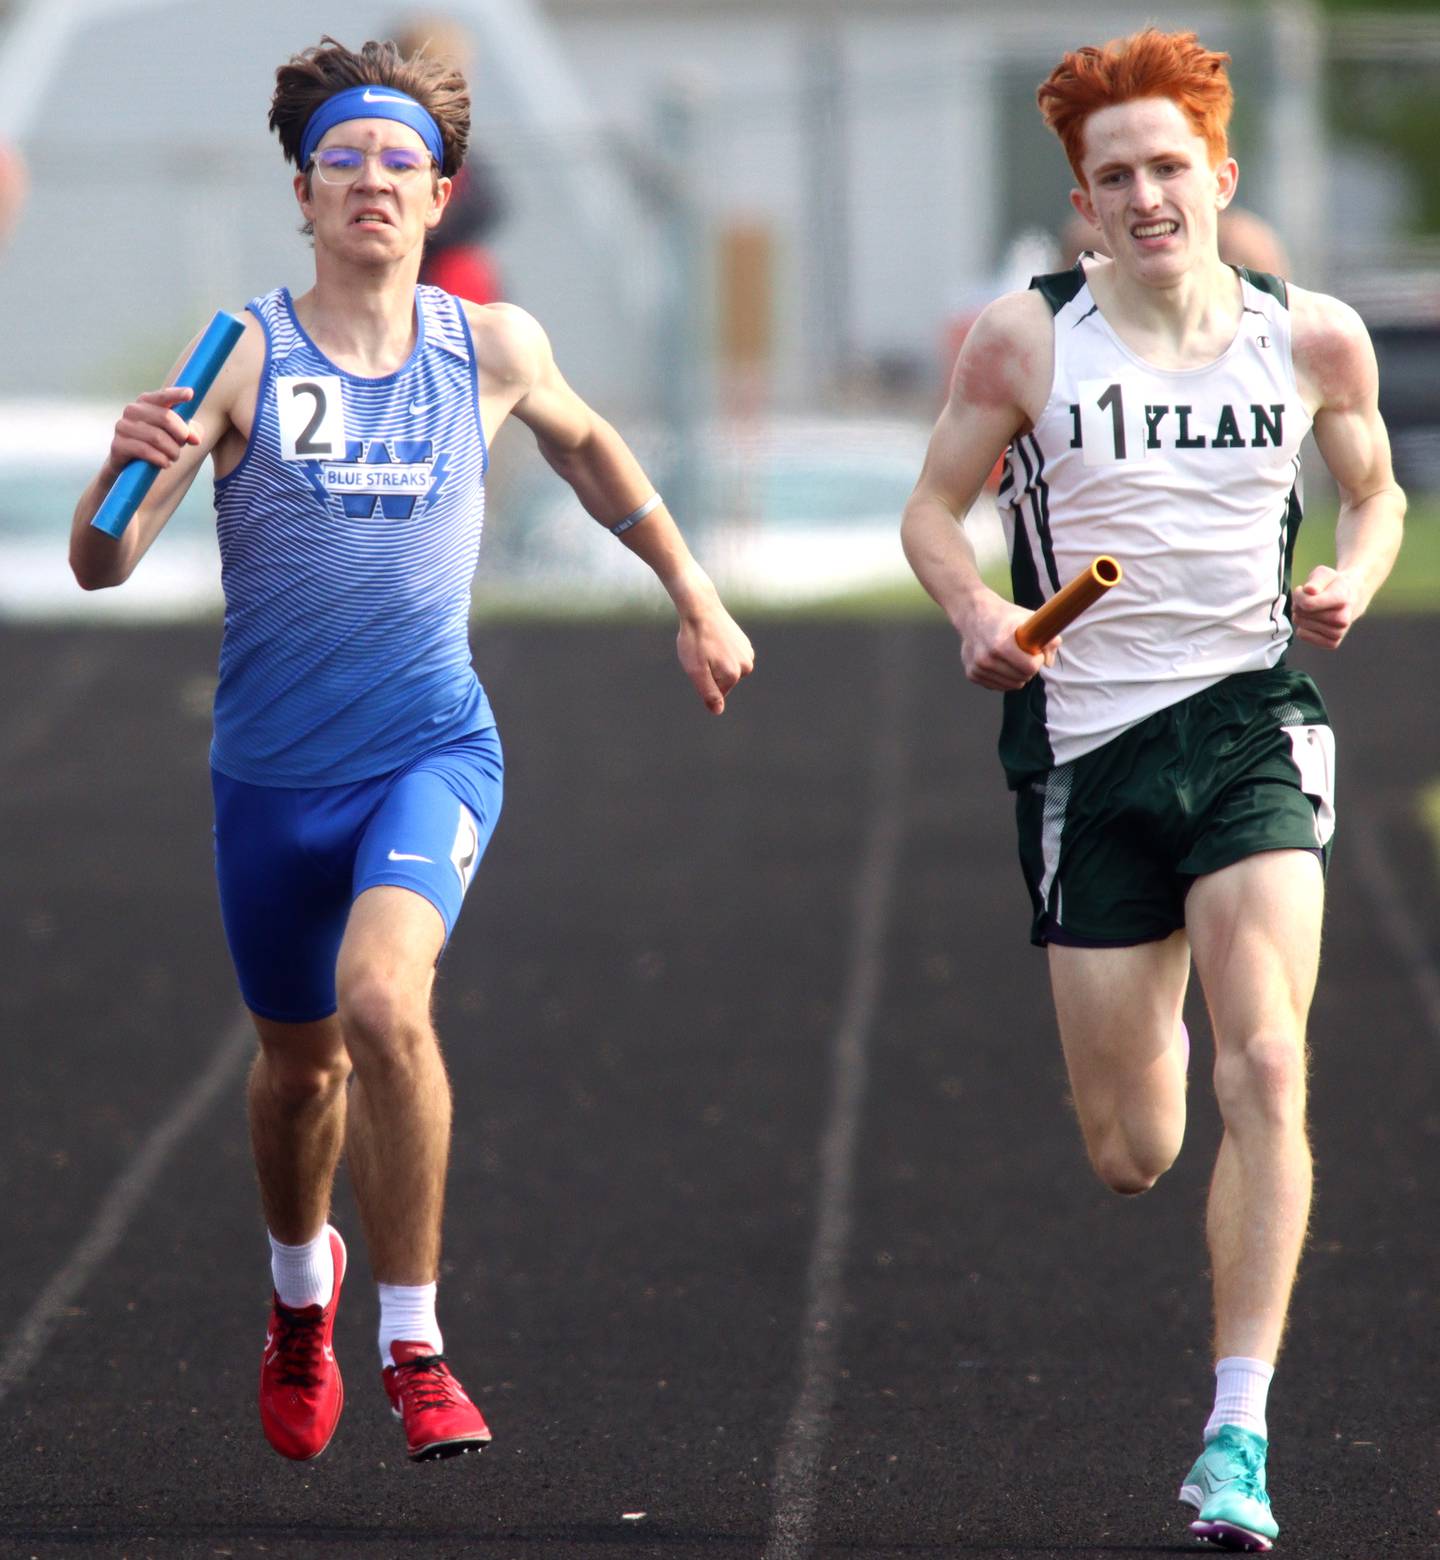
<point x="1146" y="64"/>
<point x="312" y="76"/>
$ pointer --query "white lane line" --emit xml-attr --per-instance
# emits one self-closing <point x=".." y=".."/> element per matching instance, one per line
<point x="121" y="1203"/>
<point x="1400" y="926"/>
<point x="792" y="1518"/>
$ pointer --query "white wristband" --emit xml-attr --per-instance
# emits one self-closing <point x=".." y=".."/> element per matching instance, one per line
<point x="636" y="515"/>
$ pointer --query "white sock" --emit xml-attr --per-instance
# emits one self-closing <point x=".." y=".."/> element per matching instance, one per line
<point x="304" y="1275"/>
<point x="407" y="1315"/>
<point x="1241" y="1387"/>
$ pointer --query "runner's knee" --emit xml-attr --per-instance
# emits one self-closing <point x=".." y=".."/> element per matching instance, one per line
<point x="1126" y="1172"/>
<point x="1264" y="1077"/>
<point x="383" y="1021"/>
<point x="299" y="1080"/>
<point x="1130" y="1159"/>
<point x="1132" y="1137"/>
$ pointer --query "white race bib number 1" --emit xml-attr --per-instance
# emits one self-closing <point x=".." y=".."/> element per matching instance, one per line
<point x="312" y="417"/>
<point x="1112" y="421"/>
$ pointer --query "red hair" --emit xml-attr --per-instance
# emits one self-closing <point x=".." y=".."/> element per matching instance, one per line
<point x="1146" y="64"/>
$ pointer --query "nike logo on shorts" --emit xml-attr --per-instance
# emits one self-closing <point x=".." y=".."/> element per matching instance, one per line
<point x="404" y="855"/>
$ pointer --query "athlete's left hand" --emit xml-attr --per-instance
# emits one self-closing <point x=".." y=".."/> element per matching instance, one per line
<point x="1325" y="607"/>
<point x="714" y="652"/>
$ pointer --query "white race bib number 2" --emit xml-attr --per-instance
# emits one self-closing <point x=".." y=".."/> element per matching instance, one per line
<point x="312" y="417"/>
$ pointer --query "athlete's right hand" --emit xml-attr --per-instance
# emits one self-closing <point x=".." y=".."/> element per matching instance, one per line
<point x="149" y="429"/>
<point x="988" y="651"/>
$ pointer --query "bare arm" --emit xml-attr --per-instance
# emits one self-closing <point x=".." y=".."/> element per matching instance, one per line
<point x="150" y="429"/>
<point x="1336" y="370"/>
<point x="1001" y="379"/>
<point x="515" y="354"/>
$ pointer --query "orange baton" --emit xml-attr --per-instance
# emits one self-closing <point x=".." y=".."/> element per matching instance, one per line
<point x="1067" y="604"/>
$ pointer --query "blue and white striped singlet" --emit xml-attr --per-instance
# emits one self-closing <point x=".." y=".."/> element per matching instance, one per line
<point x="348" y="534"/>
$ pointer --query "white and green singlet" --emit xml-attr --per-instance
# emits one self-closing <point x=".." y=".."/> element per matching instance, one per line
<point x="1191" y="479"/>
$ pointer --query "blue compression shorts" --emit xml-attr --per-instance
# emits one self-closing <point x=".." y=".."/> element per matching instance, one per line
<point x="290" y="863"/>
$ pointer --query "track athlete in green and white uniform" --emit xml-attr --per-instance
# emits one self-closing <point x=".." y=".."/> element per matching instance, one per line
<point x="1174" y="778"/>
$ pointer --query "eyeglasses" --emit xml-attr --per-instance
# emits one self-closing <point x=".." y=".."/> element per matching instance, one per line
<point x="342" y="164"/>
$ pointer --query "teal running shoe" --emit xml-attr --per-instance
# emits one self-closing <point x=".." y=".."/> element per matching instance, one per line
<point x="1227" y="1487"/>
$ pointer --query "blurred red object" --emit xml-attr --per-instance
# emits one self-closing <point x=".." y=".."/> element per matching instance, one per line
<point x="467" y="270"/>
<point x="14" y="185"/>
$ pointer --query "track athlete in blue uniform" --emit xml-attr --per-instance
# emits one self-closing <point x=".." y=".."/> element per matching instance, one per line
<point x="1174" y="779"/>
<point x="357" y="772"/>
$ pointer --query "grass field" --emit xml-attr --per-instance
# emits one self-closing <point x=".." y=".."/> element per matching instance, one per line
<point x="1414" y="586"/>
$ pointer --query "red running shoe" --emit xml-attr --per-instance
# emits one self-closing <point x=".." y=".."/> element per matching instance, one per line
<point x="301" y="1393"/>
<point x="440" y="1421"/>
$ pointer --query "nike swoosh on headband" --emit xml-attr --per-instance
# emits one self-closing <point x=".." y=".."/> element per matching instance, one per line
<point x="369" y="103"/>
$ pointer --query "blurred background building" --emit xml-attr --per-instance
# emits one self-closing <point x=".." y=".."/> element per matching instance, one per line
<point x="742" y="223"/>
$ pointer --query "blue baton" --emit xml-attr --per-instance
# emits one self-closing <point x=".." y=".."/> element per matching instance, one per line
<point x="128" y="491"/>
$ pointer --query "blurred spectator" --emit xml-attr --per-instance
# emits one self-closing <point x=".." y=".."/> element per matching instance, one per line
<point x="14" y="184"/>
<point x="1248" y="240"/>
<point x="458" y="257"/>
<point x="1245" y="239"/>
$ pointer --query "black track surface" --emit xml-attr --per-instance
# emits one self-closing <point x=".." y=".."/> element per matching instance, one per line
<point x="639" y="1011"/>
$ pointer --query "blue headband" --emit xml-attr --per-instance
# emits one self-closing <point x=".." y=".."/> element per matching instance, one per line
<point x="371" y="103"/>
